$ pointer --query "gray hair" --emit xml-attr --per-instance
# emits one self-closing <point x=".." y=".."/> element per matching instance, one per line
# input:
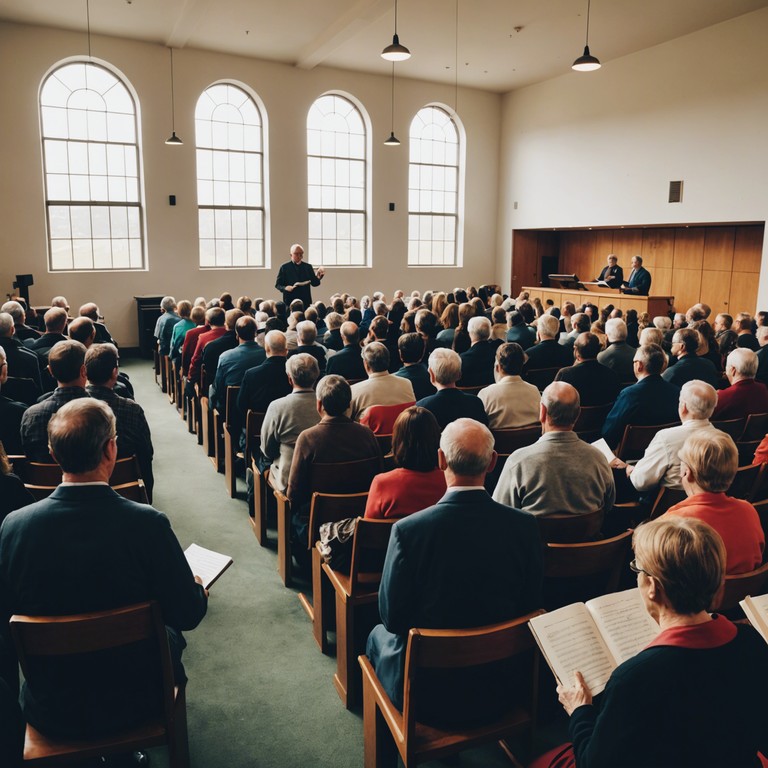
<point x="662" y="322"/>
<point x="445" y="364"/>
<point x="335" y="395"/>
<point x="78" y="432"/>
<point x="6" y="324"/>
<point x="275" y="342"/>
<point x="479" y="328"/>
<point x="15" y="310"/>
<point x="376" y="357"/>
<point x="744" y="361"/>
<point x="562" y="403"/>
<point x="699" y="397"/>
<point x="616" y="329"/>
<point x="306" y="331"/>
<point x="334" y="320"/>
<point x="548" y="326"/>
<point x="651" y="335"/>
<point x="303" y="370"/>
<point x="168" y="304"/>
<point x="467" y="445"/>
<point x="652" y="357"/>
<point x="380" y="308"/>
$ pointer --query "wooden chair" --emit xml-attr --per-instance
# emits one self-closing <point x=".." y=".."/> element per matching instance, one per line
<point x="41" y="473"/>
<point x="156" y="361"/>
<point x="206" y="435"/>
<point x="40" y="492"/>
<point x="340" y="477"/>
<point x="230" y="439"/>
<point x="257" y="515"/>
<point x="755" y="430"/>
<point x="636" y="439"/>
<point x="163" y="362"/>
<point x="506" y="441"/>
<point x="49" y="636"/>
<point x="541" y="377"/>
<point x="22" y="390"/>
<point x="387" y="731"/>
<point x="666" y="498"/>
<point x="732" y="427"/>
<point x="737" y="587"/>
<point x="589" y="425"/>
<point x="569" y="528"/>
<point x="472" y="390"/>
<point x="746" y="482"/>
<point x="357" y="603"/>
<point x="127" y="470"/>
<point x="135" y="491"/>
<point x="579" y="572"/>
<point x="326" y="508"/>
<point x="169" y="378"/>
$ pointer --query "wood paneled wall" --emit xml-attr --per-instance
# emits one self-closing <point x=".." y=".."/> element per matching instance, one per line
<point x="718" y="265"/>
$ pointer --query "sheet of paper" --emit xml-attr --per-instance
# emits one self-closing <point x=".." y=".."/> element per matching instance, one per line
<point x="570" y="641"/>
<point x="756" y="609"/>
<point x="604" y="448"/>
<point x="206" y="563"/>
<point x="624" y="623"/>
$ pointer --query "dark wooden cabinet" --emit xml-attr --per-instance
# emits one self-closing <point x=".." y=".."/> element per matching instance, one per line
<point x="147" y="312"/>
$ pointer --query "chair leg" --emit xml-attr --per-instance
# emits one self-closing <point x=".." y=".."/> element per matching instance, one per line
<point x="230" y="456"/>
<point x="178" y="743"/>
<point x="284" y="564"/>
<point x="379" y="750"/>
<point x="322" y="603"/>
<point x="345" y="680"/>
<point x="260" y="497"/>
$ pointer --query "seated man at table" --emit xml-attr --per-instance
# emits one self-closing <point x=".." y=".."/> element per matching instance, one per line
<point x="426" y="583"/>
<point x="87" y="549"/>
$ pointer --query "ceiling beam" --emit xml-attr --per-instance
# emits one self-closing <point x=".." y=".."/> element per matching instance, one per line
<point x="344" y="28"/>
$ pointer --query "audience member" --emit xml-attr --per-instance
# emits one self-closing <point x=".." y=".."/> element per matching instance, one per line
<point x="511" y="402"/>
<point x="191" y="317"/>
<point x="618" y="355"/>
<point x="708" y="466"/>
<point x="22" y="363"/>
<point x="85" y="549"/>
<point x="762" y="354"/>
<point x="559" y="473"/>
<point x="234" y="363"/>
<point x="165" y="323"/>
<point x="189" y="344"/>
<point x="333" y="338"/>
<point x="425" y="583"/>
<point x="744" y="336"/>
<point x="381" y="387"/>
<point x="67" y="365"/>
<point x="216" y="321"/>
<point x="82" y="329"/>
<point x="21" y="330"/>
<point x="579" y="324"/>
<point x="13" y="495"/>
<point x="449" y="319"/>
<point x="348" y="362"/>
<point x="11" y="413"/>
<point x="450" y="403"/>
<point x="306" y="343"/>
<point x="597" y="384"/>
<point x="91" y="311"/>
<point x="689" y="365"/>
<point x="548" y="353"/>
<point x="416" y="482"/>
<point x="477" y="363"/>
<point x="651" y="401"/>
<point x="213" y="350"/>
<point x="411" y="351"/>
<point x="724" y="333"/>
<point x="745" y="395"/>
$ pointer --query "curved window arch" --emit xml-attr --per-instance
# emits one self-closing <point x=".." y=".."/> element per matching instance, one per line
<point x="337" y="178"/>
<point x="433" y="189"/>
<point x="230" y="178"/>
<point x="92" y="169"/>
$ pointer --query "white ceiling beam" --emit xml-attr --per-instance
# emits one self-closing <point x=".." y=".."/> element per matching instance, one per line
<point x="344" y="28"/>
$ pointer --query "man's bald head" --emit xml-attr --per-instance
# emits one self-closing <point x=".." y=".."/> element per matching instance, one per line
<point x="55" y="320"/>
<point x="275" y="344"/>
<point x="561" y="405"/>
<point x="83" y="330"/>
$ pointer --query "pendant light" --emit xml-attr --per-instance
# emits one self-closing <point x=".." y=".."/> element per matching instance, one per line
<point x="586" y="62"/>
<point x="395" y="52"/>
<point x="173" y="139"/>
<point x="392" y="141"/>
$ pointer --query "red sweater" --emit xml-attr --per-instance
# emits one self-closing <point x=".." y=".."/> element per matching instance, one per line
<point x="403" y="491"/>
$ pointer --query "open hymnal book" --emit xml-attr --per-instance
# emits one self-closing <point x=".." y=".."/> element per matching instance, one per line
<point x="206" y="563"/>
<point x="594" y="637"/>
<point x="605" y="449"/>
<point x="756" y="610"/>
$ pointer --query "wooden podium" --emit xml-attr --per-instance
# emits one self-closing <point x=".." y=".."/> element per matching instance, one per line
<point x="653" y="305"/>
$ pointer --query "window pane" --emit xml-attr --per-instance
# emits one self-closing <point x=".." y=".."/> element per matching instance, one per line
<point x="336" y="174"/>
<point x="89" y="107"/>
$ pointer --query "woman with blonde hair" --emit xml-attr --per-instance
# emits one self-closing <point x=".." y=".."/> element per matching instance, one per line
<point x="461" y="341"/>
<point x="694" y="696"/>
<point x="439" y="303"/>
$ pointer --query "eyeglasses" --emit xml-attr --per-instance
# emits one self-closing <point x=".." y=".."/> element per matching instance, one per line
<point x="635" y="568"/>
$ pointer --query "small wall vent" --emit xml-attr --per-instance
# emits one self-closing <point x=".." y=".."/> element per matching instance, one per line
<point x="675" y="191"/>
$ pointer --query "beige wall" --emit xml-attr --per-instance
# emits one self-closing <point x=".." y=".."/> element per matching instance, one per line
<point x="599" y="149"/>
<point x="27" y="53"/>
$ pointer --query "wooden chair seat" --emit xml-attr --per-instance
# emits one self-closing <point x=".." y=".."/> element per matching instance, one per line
<point x="387" y="731"/>
<point x="53" y="636"/>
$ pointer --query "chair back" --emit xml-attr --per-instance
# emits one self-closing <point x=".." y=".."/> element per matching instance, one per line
<point x="22" y="390"/>
<point x="369" y="547"/>
<point x="754" y="429"/>
<point x="135" y="491"/>
<point x="380" y="419"/>
<point x="636" y="439"/>
<point x="746" y="482"/>
<point x="570" y="528"/>
<point x="541" y="378"/>
<point x="126" y="470"/>
<point x="666" y="498"/>
<point x="230" y="404"/>
<point x="332" y="507"/>
<point x="39" y="473"/>
<point x="472" y="390"/>
<point x="579" y="572"/>
<point x="506" y="441"/>
<point x="589" y="425"/>
<point x="205" y="382"/>
<point x="732" y="427"/>
<point x="737" y="587"/>
<point x="253" y="422"/>
<point x="344" y="476"/>
<point x="40" y="492"/>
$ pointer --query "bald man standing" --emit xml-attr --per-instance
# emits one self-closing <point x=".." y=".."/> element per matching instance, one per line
<point x="296" y="276"/>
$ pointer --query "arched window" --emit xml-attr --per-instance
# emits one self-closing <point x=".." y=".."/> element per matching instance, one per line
<point x="92" y="170"/>
<point x="337" y="182"/>
<point x="230" y="178"/>
<point x="433" y="189"/>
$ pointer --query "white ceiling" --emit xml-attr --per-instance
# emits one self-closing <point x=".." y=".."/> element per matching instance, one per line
<point x="350" y="34"/>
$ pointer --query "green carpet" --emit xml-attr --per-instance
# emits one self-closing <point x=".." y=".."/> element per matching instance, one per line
<point x="260" y="693"/>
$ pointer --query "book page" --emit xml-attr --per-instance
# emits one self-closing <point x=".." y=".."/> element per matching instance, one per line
<point x="605" y="449"/>
<point x="571" y="642"/>
<point x="206" y="563"/>
<point x="756" y="609"/>
<point x="623" y="622"/>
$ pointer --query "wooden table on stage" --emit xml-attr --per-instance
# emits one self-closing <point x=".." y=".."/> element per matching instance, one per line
<point x="653" y="305"/>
